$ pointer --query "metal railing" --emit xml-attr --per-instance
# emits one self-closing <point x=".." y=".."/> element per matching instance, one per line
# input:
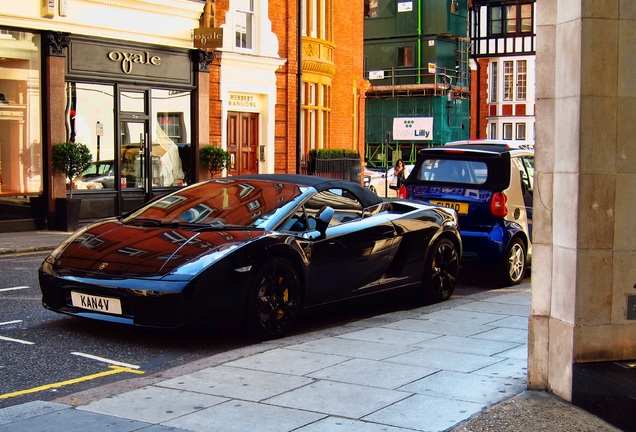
<point x="339" y="168"/>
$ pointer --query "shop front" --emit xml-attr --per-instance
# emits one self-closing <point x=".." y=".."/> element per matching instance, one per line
<point x="132" y="106"/>
<point x="135" y="106"/>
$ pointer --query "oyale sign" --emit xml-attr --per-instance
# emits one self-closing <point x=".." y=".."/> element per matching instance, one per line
<point x="127" y="62"/>
<point x="128" y="59"/>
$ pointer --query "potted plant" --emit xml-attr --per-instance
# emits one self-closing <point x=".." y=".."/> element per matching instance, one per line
<point x="70" y="159"/>
<point x="214" y="159"/>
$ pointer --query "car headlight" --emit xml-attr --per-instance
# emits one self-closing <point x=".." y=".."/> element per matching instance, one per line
<point x="53" y="256"/>
<point x="195" y="266"/>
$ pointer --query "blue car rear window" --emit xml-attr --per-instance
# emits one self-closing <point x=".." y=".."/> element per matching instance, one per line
<point x="454" y="171"/>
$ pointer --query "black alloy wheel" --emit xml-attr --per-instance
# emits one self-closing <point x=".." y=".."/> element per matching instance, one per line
<point x="440" y="272"/>
<point x="274" y="299"/>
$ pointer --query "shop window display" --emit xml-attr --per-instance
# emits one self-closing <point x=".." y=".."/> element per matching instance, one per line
<point x="20" y="123"/>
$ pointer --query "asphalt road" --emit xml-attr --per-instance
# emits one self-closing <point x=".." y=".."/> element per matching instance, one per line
<point x="45" y="355"/>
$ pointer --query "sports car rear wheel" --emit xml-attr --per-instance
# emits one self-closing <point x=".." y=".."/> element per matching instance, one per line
<point x="440" y="272"/>
<point x="274" y="299"/>
<point x="512" y="268"/>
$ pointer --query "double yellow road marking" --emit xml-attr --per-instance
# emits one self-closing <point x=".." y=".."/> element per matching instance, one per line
<point x="113" y="370"/>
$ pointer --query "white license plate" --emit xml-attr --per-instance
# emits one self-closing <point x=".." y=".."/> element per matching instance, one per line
<point x="96" y="303"/>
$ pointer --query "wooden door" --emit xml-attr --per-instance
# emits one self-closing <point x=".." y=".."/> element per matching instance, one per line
<point x="242" y="133"/>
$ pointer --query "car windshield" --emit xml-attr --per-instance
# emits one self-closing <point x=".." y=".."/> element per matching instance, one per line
<point x="454" y="171"/>
<point x="222" y="203"/>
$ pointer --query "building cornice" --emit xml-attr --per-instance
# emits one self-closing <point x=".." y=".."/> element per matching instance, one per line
<point x="180" y="8"/>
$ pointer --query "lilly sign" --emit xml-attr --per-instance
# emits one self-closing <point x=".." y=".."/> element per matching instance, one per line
<point x="413" y="128"/>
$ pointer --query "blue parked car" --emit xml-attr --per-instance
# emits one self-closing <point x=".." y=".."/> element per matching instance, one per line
<point x="490" y="186"/>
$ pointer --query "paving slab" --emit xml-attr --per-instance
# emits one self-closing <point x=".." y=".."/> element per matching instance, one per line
<point x="236" y="383"/>
<point x="443" y="359"/>
<point x="465" y="317"/>
<point x="518" y="322"/>
<point x="519" y="353"/>
<point x="469" y="345"/>
<point x="467" y="387"/>
<point x="339" y="399"/>
<point x="242" y="416"/>
<point x="348" y="347"/>
<point x="425" y="413"/>
<point x="494" y="307"/>
<point x="285" y="361"/>
<point x="507" y="368"/>
<point x="30" y="409"/>
<point x="373" y="373"/>
<point x="438" y="327"/>
<point x="337" y="424"/>
<point x="390" y="336"/>
<point x="72" y="420"/>
<point x="518" y="297"/>
<point x="153" y="404"/>
<point x="504" y="335"/>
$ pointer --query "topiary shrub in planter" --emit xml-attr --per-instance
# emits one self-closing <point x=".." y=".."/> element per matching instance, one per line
<point x="214" y="159"/>
<point x="71" y="159"/>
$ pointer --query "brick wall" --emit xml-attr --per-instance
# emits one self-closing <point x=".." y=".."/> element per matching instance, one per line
<point x="348" y="85"/>
<point x="479" y="100"/>
<point x="283" y="15"/>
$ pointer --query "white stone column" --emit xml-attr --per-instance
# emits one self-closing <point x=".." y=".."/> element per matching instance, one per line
<point x="584" y="264"/>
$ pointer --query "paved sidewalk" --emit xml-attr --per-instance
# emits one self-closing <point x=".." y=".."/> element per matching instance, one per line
<point x="457" y="366"/>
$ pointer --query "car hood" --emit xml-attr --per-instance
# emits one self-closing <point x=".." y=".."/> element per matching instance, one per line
<point x="116" y="250"/>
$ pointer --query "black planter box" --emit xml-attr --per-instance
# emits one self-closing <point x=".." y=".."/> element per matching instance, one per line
<point x="68" y="211"/>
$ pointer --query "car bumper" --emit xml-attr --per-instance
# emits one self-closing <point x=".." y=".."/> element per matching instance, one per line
<point x="485" y="248"/>
<point x="177" y="304"/>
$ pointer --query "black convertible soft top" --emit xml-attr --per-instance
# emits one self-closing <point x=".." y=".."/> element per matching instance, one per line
<point x="366" y="197"/>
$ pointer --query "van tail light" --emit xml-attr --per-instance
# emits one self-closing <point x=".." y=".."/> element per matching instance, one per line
<point x="402" y="192"/>
<point x="498" y="204"/>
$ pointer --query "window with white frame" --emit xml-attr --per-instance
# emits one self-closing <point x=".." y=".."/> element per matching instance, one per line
<point x="493" y="82"/>
<point x="317" y="18"/>
<point x="508" y="76"/>
<point x="316" y="116"/>
<point x="521" y="131"/>
<point x="244" y="23"/>
<point x="507" y="131"/>
<point x="493" y="131"/>
<point x="522" y="79"/>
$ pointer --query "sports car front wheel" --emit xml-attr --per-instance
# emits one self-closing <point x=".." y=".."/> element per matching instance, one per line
<point x="274" y="299"/>
<point x="440" y="272"/>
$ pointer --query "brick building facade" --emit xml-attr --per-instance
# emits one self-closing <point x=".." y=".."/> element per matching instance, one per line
<point x="332" y="90"/>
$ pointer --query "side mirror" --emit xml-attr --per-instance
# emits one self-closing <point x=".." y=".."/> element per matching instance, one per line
<point x="322" y="218"/>
<point x="325" y="214"/>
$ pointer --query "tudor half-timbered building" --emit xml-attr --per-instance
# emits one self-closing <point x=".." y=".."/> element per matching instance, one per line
<point x="503" y="47"/>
